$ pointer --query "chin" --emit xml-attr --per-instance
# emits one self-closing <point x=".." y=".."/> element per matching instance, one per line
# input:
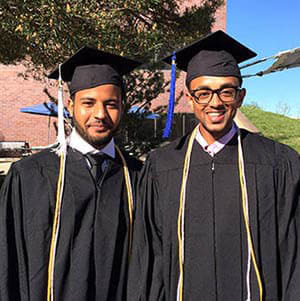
<point x="219" y="131"/>
<point x="98" y="141"/>
<point x="94" y="138"/>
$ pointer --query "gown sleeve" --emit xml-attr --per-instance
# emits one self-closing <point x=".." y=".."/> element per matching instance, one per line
<point x="13" y="270"/>
<point x="288" y="210"/>
<point x="146" y="268"/>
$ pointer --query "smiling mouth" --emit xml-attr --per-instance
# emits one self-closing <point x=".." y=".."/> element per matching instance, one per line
<point x="98" y="127"/>
<point x="216" y="116"/>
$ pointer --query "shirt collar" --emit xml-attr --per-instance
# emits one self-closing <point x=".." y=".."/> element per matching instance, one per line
<point x="218" y="145"/>
<point x="78" y="143"/>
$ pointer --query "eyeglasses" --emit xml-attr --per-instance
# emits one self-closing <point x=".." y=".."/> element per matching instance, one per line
<point x="226" y="95"/>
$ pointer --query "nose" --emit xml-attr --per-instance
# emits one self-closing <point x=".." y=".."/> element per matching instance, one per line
<point x="99" y="111"/>
<point x="215" y="100"/>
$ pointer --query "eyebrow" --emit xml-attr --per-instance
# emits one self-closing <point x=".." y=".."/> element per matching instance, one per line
<point x="221" y="87"/>
<point x="87" y="98"/>
<point x="112" y="99"/>
<point x="106" y="100"/>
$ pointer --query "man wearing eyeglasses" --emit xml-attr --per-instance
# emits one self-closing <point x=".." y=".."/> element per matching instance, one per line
<point x="219" y="212"/>
<point x="215" y="101"/>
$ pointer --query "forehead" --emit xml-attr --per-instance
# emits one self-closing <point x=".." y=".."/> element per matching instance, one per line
<point x="108" y="91"/>
<point x="214" y="82"/>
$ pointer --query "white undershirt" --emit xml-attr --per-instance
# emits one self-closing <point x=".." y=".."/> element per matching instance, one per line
<point x="218" y="145"/>
<point x="78" y="143"/>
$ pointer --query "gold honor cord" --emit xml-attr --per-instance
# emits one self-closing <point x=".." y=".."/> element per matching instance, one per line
<point x="246" y="218"/>
<point x="56" y="219"/>
<point x="180" y="221"/>
<point x="55" y="227"/>
<point x="129" y="198"/>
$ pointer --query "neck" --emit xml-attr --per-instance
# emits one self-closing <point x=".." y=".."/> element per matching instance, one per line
<point x="78" y="142"/>
<point x="212" y="136"/>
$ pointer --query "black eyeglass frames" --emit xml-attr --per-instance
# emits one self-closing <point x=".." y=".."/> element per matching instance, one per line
<point x="205" y="95"/>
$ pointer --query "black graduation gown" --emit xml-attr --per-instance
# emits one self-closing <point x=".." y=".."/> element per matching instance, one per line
<point x="215" y="237"/>
<point x="92" y="255"/>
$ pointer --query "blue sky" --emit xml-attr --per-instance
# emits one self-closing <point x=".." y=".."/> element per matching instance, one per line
<point x="268" y="27"/>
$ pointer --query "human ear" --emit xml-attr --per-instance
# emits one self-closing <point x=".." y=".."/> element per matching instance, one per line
<point x="122" y="108"/>
<point x="70" y="106"/>
<point x="241" y="96"/>
<point x="189" y="98"/>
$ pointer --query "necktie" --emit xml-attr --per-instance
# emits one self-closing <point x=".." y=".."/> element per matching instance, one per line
<point x="96" y="161"/>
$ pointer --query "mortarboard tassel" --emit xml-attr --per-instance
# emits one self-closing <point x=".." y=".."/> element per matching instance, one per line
<point x="61" y="137"/>
<point x="167" y="130"/>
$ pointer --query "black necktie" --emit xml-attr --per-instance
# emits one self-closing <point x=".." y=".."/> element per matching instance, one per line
<point x="96" y="161"/>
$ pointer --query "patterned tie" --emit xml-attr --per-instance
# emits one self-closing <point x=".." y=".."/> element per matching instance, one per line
<point x="96" y="161"/>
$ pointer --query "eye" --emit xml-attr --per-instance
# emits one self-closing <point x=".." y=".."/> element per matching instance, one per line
<point x="203" y="94"/>
<point x="112" y="104"/>
<point x="87" y="103"/>
<point x="227" y="92"/>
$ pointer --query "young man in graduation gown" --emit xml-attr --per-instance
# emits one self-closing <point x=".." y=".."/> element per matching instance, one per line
<point x="219" y="211"/>
<point x="93" y="240"/>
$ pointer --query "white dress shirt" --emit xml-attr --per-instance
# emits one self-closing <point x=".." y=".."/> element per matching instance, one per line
<point x="78" y="143"/>
<point x="219" y="144"/>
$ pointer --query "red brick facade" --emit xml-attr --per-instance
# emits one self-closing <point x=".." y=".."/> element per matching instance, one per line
<point x="16" y="92"/>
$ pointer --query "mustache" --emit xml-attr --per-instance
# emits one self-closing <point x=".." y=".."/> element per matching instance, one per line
<point x="105" y="123"/>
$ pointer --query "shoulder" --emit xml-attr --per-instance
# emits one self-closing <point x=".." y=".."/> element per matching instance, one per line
<point x="133" y="163"/>
<point x="46" y="158"/>
<point x="268" y="151"/>
<point x="173" y="146"/>
<point x="169" y="156"/>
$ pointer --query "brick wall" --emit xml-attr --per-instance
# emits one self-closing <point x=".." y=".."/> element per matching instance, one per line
<point x="16" y="92"/>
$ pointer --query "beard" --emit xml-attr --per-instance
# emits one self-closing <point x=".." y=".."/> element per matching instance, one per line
<point x="98" y="142"/>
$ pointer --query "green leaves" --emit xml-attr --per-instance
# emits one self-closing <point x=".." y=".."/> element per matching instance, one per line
<point x="49" y="31"/>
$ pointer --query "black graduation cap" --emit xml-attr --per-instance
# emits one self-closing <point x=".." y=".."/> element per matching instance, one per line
<point x="215" y="55"/>
<point x="90" y="67"/>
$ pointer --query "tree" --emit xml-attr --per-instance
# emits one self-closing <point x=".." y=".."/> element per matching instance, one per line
<point x="48" y="31"/>
<point x="283" y="108"/>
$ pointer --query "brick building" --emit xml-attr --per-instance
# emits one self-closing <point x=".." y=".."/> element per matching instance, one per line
<point x="17" y="92"/>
